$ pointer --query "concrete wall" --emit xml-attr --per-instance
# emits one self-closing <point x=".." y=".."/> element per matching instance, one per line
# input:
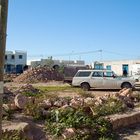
<point x="52" y="63"/>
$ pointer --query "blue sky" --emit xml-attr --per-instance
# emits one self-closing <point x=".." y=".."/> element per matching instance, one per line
<point x="75" y="29"/>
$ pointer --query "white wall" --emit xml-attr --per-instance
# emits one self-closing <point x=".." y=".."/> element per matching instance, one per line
<point x="116" y="66"/>
<point x="22" y="61"/>
<point x="16" y="60"/>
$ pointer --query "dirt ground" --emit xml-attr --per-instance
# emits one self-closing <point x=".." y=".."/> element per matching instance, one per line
<point x="96" y="92"/>
<point x="130" y="133"/>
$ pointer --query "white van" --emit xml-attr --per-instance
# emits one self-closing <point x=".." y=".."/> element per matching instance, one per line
<point x="101" y="79"/>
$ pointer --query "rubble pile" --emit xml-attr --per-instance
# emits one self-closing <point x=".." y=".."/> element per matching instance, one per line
<point x="27" y="88"/>
<point x="27" y="130"/>
<point x="13" y="100"/>
<point x="8" y="95"/>
<point x="127" y="96"/>
<point x="7" y="90"/>
<point x="46" y="106"/>
<point x="20" y="101"/>
<point x="39" y="74"/>
<point x="9" y="77"/>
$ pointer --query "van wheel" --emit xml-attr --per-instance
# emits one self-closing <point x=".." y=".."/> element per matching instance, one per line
<point x="85" y="86"/>
<point x="126" y="85"/>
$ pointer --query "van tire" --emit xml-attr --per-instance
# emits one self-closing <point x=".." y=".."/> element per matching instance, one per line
<point x="126" y="85"/>
<point x="85" y="86"/>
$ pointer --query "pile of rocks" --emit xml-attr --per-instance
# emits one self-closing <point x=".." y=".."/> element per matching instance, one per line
<point x="39" y="74"/>
<point x="26" y="130"/>
<point x="27" y="88"/>
<point x="9" y="77"/>
<point x="20" y="101"/>
<point x="127" y="96"/>
<point x="16" y="100"/>
<point x="8" y="95"/>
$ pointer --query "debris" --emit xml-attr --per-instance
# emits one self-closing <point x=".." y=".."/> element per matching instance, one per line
<point x="8" y="107"/>
<point x="27" y="88"/>
<point x="39" y="74"/>
<point x="29" y="131"/>
<point x="20" y="101"/>
<point x="89" y="101"/>
<point x="8" y="96"/>
<point x="69" y="133"/>
<point x="47" y="103"/>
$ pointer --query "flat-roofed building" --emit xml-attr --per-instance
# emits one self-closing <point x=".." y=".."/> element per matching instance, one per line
<point x="15" y="61"/>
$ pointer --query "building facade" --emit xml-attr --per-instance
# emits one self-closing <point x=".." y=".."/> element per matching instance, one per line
<point x="131" y="67"/>
<point x="57" y="63"/>
<point x="15" y="61"/>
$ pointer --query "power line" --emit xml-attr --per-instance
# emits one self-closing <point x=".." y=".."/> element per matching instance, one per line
<point x="67" y="54"/>
<point x="101" y="52"/>
<point x="120" y="54"/>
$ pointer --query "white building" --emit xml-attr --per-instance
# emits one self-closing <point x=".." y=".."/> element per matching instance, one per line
<point x="15" y="61"/>
<point x="131" y="66"/>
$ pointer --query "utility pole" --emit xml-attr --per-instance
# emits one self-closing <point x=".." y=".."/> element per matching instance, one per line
<point x="3" y="29"/>
<point x="101" y="55"/>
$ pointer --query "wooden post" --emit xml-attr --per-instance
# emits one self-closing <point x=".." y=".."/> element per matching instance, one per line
<point x="3" y="28"/>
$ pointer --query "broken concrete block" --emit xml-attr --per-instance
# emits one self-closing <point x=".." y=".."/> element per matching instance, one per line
<point x="20" y="101"/>
<point x="48" y="103"/>
<point x="69" y="133"/>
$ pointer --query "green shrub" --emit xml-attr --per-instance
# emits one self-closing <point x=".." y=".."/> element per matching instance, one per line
<point x="111" y="106"/>
<point x="8" y="115"/>
<point x="12" y="135"/>
<point x="78" y="119"/>
<point x="53" y="88"/>
<point x="31" y="94"/>
<point x="34" y="110"/>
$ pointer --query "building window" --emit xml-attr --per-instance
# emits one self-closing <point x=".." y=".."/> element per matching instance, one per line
<point x="98" y="66"/>
<point x="12" y="57"/>
<point x="108" y="67"/>
<point x="20" y="56"/>
<point x="5" y="57"/>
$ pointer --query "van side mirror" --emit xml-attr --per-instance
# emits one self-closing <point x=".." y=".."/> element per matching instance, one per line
<point x="113" y="76"/>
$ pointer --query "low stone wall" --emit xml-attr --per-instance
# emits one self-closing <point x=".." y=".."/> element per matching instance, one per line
<point x="123" y="120"/>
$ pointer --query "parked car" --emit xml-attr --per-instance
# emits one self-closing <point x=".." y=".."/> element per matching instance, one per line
<point x="101" y="79"/>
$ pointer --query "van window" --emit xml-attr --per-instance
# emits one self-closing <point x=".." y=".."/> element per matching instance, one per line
<point x="83" y="74"/>
<point x="108" y="74"/>
<point x="97" y="74"/>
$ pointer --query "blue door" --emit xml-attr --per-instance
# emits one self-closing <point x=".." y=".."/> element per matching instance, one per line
<point x="8" y="68"/>
<point x="19" y="69"/>
<point x="125" y="69"/>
